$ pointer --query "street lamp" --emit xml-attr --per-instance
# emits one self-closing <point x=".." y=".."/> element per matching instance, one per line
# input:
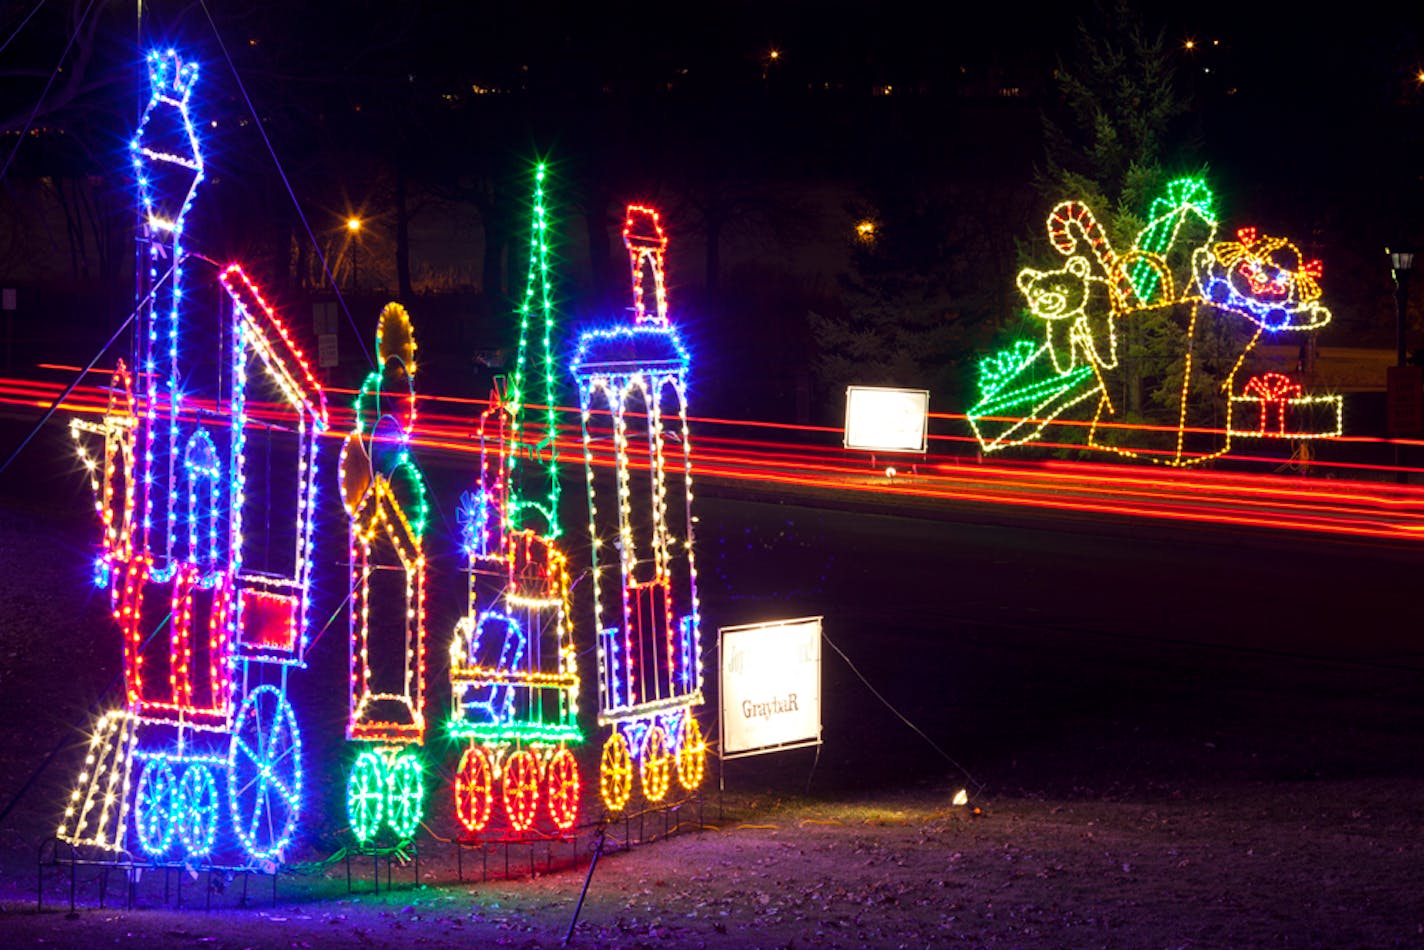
<point x="353" y="227"/>
<point x="1401" y="262"/>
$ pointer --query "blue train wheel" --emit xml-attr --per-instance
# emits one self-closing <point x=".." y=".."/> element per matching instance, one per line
<point x="196" y="810"/>
<point x="153" y="807"/>
<point x="264" y="774"/>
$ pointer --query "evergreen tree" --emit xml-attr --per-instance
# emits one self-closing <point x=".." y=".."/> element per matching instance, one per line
<point x="1116" y="136"/>
<point x="899" y="324"/>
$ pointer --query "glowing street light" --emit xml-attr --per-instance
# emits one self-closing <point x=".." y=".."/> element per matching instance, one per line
<point x="772" y="57"/>
<point x="865" y="231"/>
<point x="1400" y="263"/>
<point x="353" y="227"/>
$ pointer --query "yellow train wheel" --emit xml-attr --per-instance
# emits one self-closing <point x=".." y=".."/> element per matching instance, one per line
<point x="615" y="773"/>
<point x="691" y="752"/>
<point x="656" y="765"/>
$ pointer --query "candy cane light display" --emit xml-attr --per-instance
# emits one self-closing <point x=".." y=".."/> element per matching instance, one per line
<point x="633" y="383"/>
<point x="384" y="495"/>
<point x="1226" y="295"/>
<point x="207" y="509"/>
<point x="513" y="666"/>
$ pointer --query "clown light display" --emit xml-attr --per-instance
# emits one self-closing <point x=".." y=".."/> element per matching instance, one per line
<point x="1213" y="302"/>
<point x="513" y="667"/>
<point x="384" y="495"/>
<point x="206" y="489"/>
<point x="632" y="383"/>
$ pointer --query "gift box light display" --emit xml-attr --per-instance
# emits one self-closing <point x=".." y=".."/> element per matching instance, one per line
<point x="513" y="666"/>
<point x="207" y="517"/>
<point x="633" y="383"/>
<point x="1213" y="301"/>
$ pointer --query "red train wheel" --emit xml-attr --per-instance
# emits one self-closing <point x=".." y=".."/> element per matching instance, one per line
<point x="474" y="789"/>
<point x="521" y="790"/>
<point x="563" y="784"/>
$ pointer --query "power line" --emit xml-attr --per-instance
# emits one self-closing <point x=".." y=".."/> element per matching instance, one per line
<point x="286" y="183"/>
<point x="48" y="83"/>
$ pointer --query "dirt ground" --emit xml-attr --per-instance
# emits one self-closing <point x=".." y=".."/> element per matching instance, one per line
<point x="1253" y="777"/>
<point x="1326" y="864"/>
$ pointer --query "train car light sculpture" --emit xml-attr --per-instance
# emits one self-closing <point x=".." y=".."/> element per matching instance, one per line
<point x="385" y="499"/>
<point x="513" y="667"/>
<point x="633" y="383"/>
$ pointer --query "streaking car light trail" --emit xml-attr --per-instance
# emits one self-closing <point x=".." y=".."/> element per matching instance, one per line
<point x="768" y="454"/>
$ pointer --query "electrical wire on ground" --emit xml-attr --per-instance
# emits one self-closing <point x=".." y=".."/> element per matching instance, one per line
<point x="978" y="785"/>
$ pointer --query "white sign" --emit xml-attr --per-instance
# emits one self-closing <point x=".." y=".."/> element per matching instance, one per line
<point x="326" y="350"/>
<point x="771" y="686"/>
<point x="887" y="420"/>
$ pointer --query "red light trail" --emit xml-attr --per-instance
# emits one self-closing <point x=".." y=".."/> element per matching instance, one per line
<point x="779" y="455"/>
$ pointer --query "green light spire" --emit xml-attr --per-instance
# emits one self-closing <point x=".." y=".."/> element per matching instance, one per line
<point x="534" y="440"/>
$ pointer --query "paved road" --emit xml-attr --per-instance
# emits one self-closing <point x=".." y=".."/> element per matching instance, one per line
<point x="1053" y="652"/>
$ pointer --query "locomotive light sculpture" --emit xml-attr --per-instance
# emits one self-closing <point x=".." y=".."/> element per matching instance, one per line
<point x="205" y="486"/>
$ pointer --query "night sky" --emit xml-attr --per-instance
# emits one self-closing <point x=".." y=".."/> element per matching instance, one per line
<point x="1310" y="124"/>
